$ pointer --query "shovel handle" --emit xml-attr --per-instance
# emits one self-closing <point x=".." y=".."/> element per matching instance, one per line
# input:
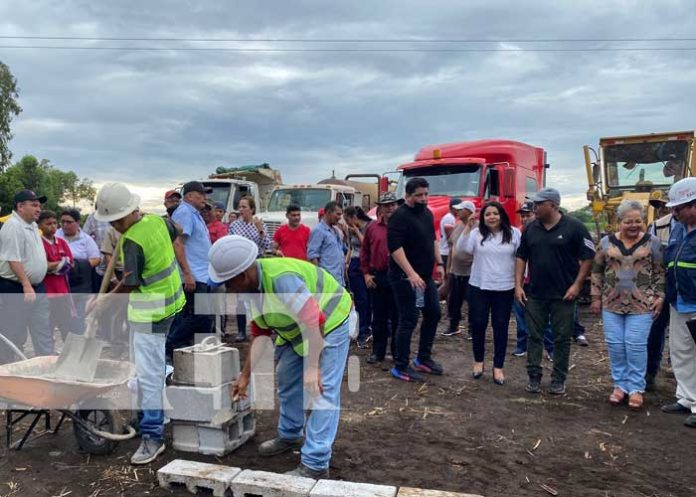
<point x="92" y="321"/>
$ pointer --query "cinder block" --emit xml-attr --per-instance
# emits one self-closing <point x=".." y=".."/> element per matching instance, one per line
<point x="419" y="492"/>
<point x="211" y="439"/>
<point x="265" y="484"/>
<point x="204" y="367"/>
<point x="203" y="404"/>
<point x="195" y="475"/>
<point x="335" y="488"/>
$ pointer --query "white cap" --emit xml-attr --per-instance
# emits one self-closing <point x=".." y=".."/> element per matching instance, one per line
<point x="466" y="204"/>
<point x="682" y="192"/>
<point x="230" y="256"/>
<point x="115" y="201"/>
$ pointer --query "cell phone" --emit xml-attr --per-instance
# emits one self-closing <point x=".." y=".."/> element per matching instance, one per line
<point x="691" y="325"/>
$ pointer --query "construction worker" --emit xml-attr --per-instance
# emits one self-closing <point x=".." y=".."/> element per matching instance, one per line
<point x="309" y="311"/>
<point x="150" y="248"/>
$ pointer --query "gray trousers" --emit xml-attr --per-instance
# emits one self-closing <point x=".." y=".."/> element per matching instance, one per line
<point x="682" y="350"/>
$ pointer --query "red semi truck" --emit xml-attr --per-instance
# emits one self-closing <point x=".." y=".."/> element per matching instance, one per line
<point x="483" y="170"/>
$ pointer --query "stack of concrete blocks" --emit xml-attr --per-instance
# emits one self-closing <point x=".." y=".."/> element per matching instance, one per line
<point x="203" y="416"/>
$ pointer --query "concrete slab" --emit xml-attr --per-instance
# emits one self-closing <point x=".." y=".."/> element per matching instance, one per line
<point x="335" y="488"/>
<point x="203" y="367"/>
<point x="419" y="492"/>
<point x="194" y="475"/>
<point x="265" y="484"/>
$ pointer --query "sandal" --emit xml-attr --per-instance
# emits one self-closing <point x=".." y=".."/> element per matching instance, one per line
<point x="635" y="401"/>
<point x="617" y="397"/>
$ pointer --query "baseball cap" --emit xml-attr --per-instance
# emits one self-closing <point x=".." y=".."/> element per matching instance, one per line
<point x="547" y="194"/>
<point x="195" y="186"/>
<point x="26" y="195"/>
<point x="657" y="202"/>
<point x="219" y="205"/>
<point x="466" y="204"/>
<point x="528" y="206"/>
<point x="389" y="198"/>
<point x="171" y="193"/>
<point x="454" y="202"/>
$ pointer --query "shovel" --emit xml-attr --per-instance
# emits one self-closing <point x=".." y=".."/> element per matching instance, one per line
<point x="80" y="356"/>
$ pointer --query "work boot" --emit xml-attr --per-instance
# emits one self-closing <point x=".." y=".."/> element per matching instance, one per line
<point x="534" y="385"/>
<point x="557" y="387"/>
<point x="148" y="451"/>
<point x="279" y="445"/>
<point x="305" y="472"/>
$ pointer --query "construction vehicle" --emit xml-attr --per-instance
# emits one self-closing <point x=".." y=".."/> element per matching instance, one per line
<point x="502" y="170"/>
<point x="637" y="167"/>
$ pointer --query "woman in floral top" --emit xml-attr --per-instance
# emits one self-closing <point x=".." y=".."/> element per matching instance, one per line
<point x="251" y="227"/>
<point x="628" y="288"/>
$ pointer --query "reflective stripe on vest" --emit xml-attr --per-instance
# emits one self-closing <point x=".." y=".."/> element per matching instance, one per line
<point x="161" y="294"/>
<point x="687" y="265"/>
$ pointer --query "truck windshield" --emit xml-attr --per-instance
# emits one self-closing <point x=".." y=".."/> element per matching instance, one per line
<point x="220" y="193"/>
<point x="309" y="199"/>
<point x="645" y="164"/>
<point x="451" y="180"/>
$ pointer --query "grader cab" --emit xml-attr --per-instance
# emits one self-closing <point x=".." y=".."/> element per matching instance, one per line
<point x="639" y="167"/>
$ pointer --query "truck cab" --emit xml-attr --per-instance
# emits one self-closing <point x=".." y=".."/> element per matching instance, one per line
<point x="503" y="170"/>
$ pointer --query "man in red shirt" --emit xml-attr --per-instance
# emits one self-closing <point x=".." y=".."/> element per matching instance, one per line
<point x="216" y="227"/>
<point x="60" y="262"/>
<point x="374" y="264"/>
<point x="290" y="240"/>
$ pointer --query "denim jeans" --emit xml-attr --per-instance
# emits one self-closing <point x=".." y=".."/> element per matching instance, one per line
<point x="150" y="364"/>
<point x="627" y="340"/>
<point x="192" y="320"/>
<point x="385" y="319"/>
<point x="321" y="425"/>
<point x="561" y="315"/>
<point x="458" y="293"/>
<point x="356" y="282"/>
<point x="405" y="298"/>
<point x="523" y="331"/>
<point x="497" y="305"/>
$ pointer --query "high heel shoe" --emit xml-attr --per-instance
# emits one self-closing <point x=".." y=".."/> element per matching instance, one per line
<point x="477" y="374"/>
<point x="500" y="380"/>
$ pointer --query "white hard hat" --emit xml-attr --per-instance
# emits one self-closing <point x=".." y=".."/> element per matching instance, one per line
<point x="682" y="192"/>
<point x="230" y="256"/>
<point x="114" y="202"/>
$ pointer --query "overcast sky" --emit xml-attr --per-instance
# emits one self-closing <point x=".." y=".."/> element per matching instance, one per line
<point x="156" y="118"/>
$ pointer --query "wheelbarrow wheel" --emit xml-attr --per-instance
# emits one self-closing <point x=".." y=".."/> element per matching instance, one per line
<point x="102" y="420"/>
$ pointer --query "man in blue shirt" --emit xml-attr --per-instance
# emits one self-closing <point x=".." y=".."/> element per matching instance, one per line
<point x="325" y="247"/>
<point x="194" y="271"/>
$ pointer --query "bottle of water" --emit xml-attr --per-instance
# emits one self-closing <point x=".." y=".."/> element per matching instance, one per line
<point x="420" y="298"/>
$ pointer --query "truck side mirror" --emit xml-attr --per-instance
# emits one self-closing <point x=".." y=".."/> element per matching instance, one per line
<point x="509" y="183"/>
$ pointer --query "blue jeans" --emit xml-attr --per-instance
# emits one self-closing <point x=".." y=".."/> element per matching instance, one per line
<point x="627" y="340"/>
<point x="321" y="425"/>
<point x="361" y="297"/>
<point x="150" y="364"/>
<point x="523" y="331"/>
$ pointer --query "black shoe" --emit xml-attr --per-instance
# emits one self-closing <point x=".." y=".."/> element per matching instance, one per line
<point x="362" y="342"/>
<point x="428" y="366"/>
<point x="557" y="387"/>
<point x="581" y="340"/>
<point x="408" y="375"/>
<point x="534" y="385"/>
<point x="306" y="472"/>
<point x="477" y="374"/>
<point x="373" y="359"/>
<point x="690" y="421"/>
<point x="675" y="408"/>
<point x="278" y="445"/>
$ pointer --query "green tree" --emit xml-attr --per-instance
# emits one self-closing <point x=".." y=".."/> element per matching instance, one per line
<point x="9" y="108"/>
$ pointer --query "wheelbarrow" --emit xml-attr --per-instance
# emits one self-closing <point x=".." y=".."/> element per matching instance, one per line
<point x="28" y="388"/>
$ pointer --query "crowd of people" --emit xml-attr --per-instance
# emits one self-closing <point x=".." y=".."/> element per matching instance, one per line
<point x="393" y="272"/>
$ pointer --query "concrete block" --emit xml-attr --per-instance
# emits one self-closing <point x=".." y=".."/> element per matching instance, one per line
<point x="206" y="366"/>
<point x="419" y="492"/>
<point x="203" y="404"/>
<point x="194" y="475"/>
<point x="211" y="439"/>
<point x="335" y="488"/>
<point x="264" y="484"/>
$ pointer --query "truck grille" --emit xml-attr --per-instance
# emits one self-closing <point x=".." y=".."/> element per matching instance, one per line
<point x="272" y="226"/>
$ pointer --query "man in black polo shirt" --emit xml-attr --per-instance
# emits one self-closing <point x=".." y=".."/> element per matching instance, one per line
<point x="414" y="251"/>
<point x="559" y="251"/>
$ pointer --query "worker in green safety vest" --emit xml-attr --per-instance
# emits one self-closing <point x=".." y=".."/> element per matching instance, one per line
<point x="310" y="312"/>
<point x="150" y="248"/>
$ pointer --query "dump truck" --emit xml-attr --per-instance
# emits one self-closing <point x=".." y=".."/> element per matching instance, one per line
<point x="636" y="167"/>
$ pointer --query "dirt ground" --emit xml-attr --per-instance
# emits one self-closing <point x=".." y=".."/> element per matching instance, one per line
<point x="453" y="433"/>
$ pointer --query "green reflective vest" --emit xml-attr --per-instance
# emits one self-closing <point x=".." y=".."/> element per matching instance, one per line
<point x="334" y="300"/>
<point x="161" y="295"/>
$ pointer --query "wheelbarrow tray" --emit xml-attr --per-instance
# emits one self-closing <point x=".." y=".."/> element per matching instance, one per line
<point x="29" y="383"/>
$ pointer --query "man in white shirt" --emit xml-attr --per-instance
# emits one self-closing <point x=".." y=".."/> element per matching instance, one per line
<point x="23" y="266"/>
<point x="447" y="224"/>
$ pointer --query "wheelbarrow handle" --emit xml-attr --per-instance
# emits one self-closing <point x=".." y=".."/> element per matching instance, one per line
<point x="14" y="348"/>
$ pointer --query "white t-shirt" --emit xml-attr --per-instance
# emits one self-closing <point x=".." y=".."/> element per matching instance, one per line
<point x="20" y="242"/>
<point x="447" y="220"/>
<point x="494" y="261"/>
